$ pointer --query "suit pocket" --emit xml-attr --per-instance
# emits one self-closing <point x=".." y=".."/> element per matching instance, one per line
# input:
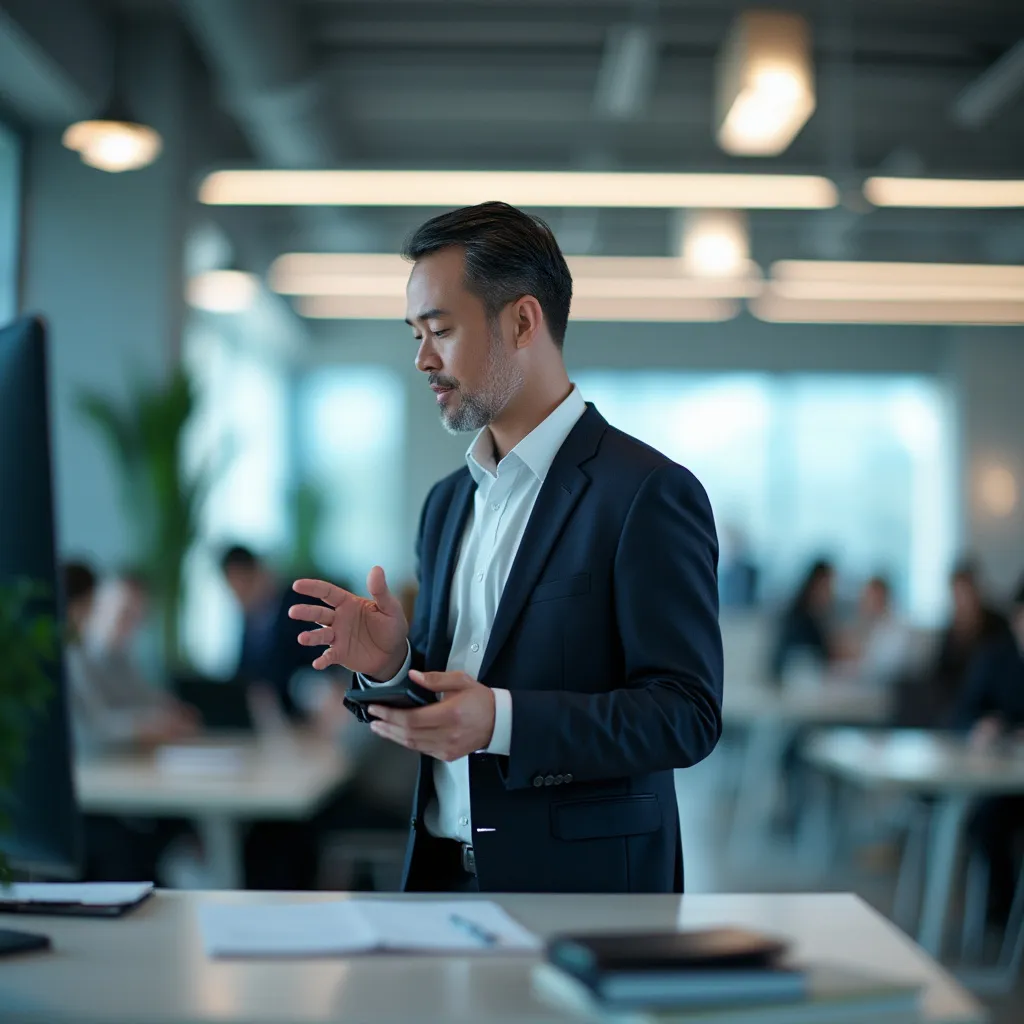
<point x="606" y="817"/>
<point x="579" y="584"/>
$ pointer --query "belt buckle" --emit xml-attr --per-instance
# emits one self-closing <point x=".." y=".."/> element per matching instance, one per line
<point x="468" y="859"/>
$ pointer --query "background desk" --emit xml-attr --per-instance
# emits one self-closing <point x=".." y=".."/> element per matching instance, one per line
<point x="286" y="778"/>
<point x="772" y="717"/>
<point x="150" y="968"/>
<point x="924" y="764"/>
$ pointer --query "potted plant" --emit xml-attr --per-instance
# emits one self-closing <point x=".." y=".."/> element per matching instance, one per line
<point x="28" y="646"/>
<point x="162" y="502"/>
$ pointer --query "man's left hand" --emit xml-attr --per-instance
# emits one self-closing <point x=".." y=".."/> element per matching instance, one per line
<point x="458" y="724"/>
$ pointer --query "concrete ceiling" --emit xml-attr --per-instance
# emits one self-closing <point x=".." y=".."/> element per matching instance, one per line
<point x="515" y="83"/>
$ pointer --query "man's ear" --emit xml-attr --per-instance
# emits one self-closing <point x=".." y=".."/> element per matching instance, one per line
<point x="527" y="321"/>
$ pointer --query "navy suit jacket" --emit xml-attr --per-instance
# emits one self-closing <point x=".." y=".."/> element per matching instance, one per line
<point x="271" y="652"/>
<point x="607" y="638"/>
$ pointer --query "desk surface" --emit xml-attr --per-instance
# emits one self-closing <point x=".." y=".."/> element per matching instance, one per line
<point x="149" y="968"/>
<point x="827" y="704"/>
<point x="285" y="777"/>
<point x="917" y="761"/>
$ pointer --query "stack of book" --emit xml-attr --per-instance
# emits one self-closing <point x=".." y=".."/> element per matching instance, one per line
<point x="721" y="976"/>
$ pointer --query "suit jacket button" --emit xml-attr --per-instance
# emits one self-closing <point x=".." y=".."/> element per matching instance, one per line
<point x="538" y="780"/>
<point x="567" y="778"/>
<point x="412" y="823"/>
<point x="559" y="779"/>
<point x="549" y="780"/>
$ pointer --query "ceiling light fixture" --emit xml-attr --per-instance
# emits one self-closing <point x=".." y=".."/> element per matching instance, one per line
<point x="113" y="145"/>
<point x="764" y="83"/>
<point x="715" y="243"/>
<point x="222" y="291"/>
<point x="597" y="189"/>
<point x="771" y="307"/>
<point x="945" y="193"/>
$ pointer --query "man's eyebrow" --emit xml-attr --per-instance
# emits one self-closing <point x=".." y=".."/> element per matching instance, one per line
<point x="429" y="314"/>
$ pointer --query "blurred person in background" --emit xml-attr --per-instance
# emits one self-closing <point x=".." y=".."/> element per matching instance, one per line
<point x="112" y="706"/>
<point x="973" y="627"/>
<point x="738" y="573"/>
<point x="112" y="702"/>
<point x="879" y="645"/>
<point x="991" y="709"/>
<point x="270" y="654"/>
<point x="805" y="632"/>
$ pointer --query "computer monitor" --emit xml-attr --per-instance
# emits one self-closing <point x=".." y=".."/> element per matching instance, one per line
<point x="44" y="835"/>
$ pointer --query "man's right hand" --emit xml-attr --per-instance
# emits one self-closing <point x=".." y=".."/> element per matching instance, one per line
<point x="367" y="636"/>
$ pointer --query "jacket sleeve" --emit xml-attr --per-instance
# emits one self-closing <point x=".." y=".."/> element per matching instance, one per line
<point x="667" y="712"/>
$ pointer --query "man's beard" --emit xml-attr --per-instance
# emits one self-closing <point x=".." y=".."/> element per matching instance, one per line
<point x="477" y="410"/>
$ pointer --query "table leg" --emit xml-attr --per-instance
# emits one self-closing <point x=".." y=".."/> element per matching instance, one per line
<point x="222" y="846"/>
<point x="940" y="872"/>
<point x="759" y="780"/>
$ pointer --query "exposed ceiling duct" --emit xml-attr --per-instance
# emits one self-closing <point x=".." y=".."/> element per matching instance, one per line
<point x="995" y="87"/>
<point x="259" y="58"/>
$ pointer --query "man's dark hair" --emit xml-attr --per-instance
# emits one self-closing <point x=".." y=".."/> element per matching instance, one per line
<point x="238" y="557"/>
<point x="79" y="581"/>
<point x="508" y="254"/>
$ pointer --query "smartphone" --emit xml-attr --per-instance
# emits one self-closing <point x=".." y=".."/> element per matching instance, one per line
<point x="405" y="694"/>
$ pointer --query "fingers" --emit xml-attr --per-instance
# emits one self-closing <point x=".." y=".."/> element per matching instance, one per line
<point x="442" y="682"/>
<point x="321" y="590"/>
<point x="377" y="585"/>
<point x="317" y="613"/>
<point x="317" y="637"/>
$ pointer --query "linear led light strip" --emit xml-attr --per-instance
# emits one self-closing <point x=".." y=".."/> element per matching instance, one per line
<point x="653" y="277"/>
<point x="383" y="307"/>
<point x="598" y="189"/>
<point x="945" y="193"/>
<point x="776" y="309"/>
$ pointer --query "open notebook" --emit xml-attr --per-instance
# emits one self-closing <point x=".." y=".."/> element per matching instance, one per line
<point x="339" y="927"/>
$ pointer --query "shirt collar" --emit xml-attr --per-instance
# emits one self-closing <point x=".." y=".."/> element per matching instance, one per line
<point x="537" y="450"/>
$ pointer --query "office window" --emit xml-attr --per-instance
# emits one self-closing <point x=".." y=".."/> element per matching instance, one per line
<point x="243" y="410"/>
<point x="856" y="468"/>
<point x="350" y="430"/>
<point x="10" y="218"/>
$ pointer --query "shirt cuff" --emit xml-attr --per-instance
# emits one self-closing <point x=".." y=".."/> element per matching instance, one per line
<point x="501" y="738"/>
<point x="402" y="673"/>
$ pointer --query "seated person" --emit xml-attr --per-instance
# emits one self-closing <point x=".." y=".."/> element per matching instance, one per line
<point x="991" y="707"/>
<point x="270" y="652"/>
<point x="880" y="642"/>
<point x="805" y="630"/>
<point x="973" y="626"/>
<point x="112" y="704"/>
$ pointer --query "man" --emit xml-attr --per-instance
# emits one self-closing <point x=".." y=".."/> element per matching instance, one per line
<point x="269" y="654"/>
<point x="880" y="646"/>
<point x="567" y="613"/>
<point x="991" y="708"/>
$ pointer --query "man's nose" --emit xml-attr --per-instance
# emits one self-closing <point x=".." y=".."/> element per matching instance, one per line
<point x="427" y="360"/>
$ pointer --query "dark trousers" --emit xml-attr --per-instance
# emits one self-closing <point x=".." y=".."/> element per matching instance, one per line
<point x="437" y="867"/>
<point x="993" y="830"/>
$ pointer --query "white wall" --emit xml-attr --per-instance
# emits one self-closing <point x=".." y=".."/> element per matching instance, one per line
<point x="986" y="372"/>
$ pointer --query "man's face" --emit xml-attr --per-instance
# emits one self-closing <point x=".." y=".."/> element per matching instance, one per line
<point x="470" y="363"/>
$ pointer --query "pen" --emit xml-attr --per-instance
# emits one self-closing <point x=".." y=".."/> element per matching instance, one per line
<point x="488" y="938"/>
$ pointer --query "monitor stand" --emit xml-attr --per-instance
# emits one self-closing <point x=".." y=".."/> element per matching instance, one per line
<point x="12" y="942"/>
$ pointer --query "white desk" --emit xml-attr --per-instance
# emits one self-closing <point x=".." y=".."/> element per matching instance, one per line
<point x="924" y="764"/>
<point x="773" y="717"/>
<point x="150" y="969"/>
<point x="285" y="778"/>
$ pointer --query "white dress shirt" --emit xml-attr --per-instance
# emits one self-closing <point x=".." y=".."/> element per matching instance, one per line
<point x="506" y="492"/>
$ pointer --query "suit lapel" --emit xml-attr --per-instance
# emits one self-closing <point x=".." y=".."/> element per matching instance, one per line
<point x="438" y="644"/>
<point x="560" y="493"/>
